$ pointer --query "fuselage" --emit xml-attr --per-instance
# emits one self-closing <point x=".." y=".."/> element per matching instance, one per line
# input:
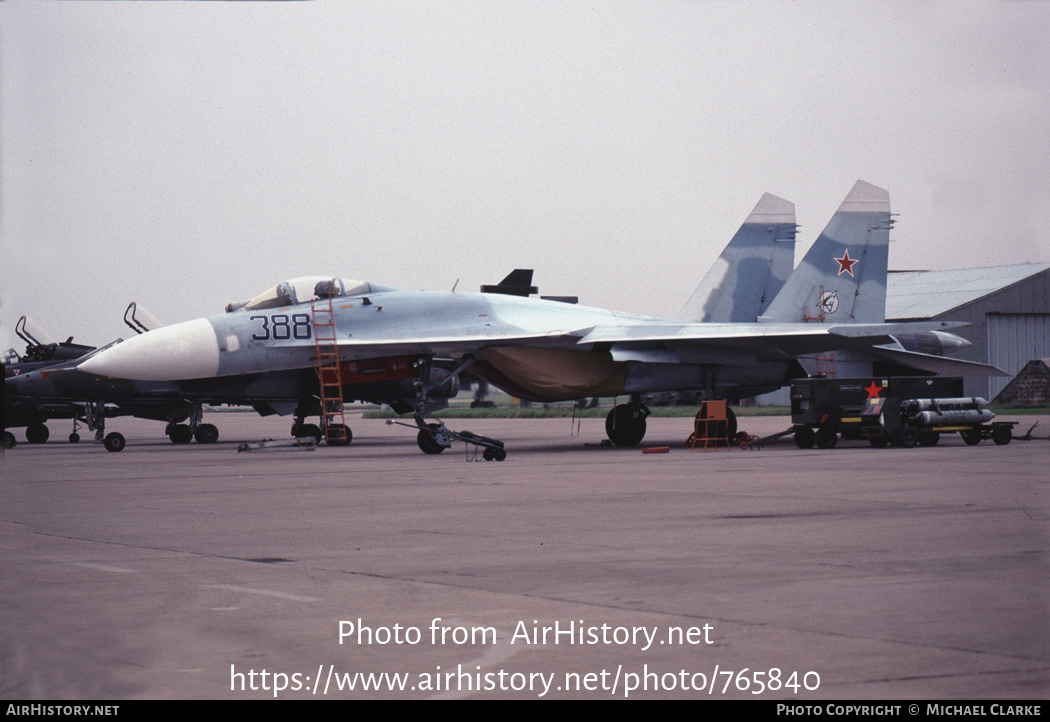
<point x="528" y="347"/>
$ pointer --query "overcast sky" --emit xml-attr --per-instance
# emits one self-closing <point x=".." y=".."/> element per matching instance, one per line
<point x="187" y="154"/>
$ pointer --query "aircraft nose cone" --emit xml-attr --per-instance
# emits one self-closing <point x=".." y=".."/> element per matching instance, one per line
<point x="187" y="350"/>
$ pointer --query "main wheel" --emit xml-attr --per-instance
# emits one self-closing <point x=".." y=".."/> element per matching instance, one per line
<point x="625" y="425"/>
<point x="730" y="423"/>
<point x="826" y="438"/>
<point x="9" y="440"/>
<point x="427" y="443"/>
<point x="338" y="435"/>
<point x="115" y="442"/>
<point x="206" y="434"/>
<point x="310" y="430"/>
<point x="805" y="437"/>
<point x="180" y="434"/>
<point x="37" y="433"/>
<point x="1001" y="435"/>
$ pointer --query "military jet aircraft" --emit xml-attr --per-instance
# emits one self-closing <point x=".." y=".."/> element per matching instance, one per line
<point x="763" y="250"/>
<point x="545" y="350"/>
<point x="33" y="394"/>
<point x="41" y="353"/>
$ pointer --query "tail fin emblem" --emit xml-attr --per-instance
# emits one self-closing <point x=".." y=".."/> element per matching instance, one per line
<point x="829" y="301"/>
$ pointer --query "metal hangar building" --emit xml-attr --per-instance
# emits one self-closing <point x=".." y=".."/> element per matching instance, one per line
<point x="1007" y="309"/>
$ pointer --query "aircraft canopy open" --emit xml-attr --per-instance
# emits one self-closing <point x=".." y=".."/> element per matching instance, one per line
<point x="304" y="289"/>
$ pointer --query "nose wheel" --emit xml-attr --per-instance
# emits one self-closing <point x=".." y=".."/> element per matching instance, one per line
<point x="95" y="415"/>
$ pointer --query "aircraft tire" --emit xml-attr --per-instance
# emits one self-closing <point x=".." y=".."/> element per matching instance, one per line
<point x="206" y="434"/>
<point x="427" y="443"/>
<point x="625" y="426"/>
<point x="310" y="430"/>
<point x="971" y="437"/>
<point x="9" y="440"/>
<point x="74" y="438"/>
<point x="805" y="437"/>
<point x="181" y="434"/>
<point x="1001" y="435"/>
<point x="333" y="435"/>
<point x="37" y="433"/>
<point x="114" y="442"/>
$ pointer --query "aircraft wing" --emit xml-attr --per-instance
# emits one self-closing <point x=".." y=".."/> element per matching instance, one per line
<point x="658" y="342"/>
<point x="721" y="343"/>
<point x="790" y="337"/>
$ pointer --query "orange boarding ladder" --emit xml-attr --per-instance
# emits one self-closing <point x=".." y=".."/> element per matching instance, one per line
<point x="329" y="376"/>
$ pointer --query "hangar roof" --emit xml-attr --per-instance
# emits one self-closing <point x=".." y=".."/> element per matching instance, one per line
<point x="923" y="294"/>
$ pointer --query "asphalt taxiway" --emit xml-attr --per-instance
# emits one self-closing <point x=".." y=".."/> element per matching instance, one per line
<point x="189" y="571"/>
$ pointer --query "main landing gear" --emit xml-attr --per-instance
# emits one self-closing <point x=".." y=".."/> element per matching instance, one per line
<point x="625" y="424"/>
<point x="184" y="433"/>
<point x="333" y="434"/>
<point x="37" y="433"/>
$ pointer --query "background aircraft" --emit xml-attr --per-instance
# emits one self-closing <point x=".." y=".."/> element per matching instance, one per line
<point x="34" y="393"/>
<point x="41" y="353"/>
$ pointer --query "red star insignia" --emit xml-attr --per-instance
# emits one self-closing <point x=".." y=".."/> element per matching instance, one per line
<point x="874" y="389"/>
<point x="846" y="264"/>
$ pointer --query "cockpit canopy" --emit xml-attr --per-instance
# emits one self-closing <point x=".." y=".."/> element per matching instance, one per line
<point x="302" y="290"/>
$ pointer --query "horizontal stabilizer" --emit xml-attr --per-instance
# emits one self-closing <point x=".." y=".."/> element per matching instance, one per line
<point x="937" y="364"/>
<point x="866" y="330"/>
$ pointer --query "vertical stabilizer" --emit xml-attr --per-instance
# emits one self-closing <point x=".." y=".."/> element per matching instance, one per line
<point x="842" y="278"/>
<point x="752" y="268"/>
